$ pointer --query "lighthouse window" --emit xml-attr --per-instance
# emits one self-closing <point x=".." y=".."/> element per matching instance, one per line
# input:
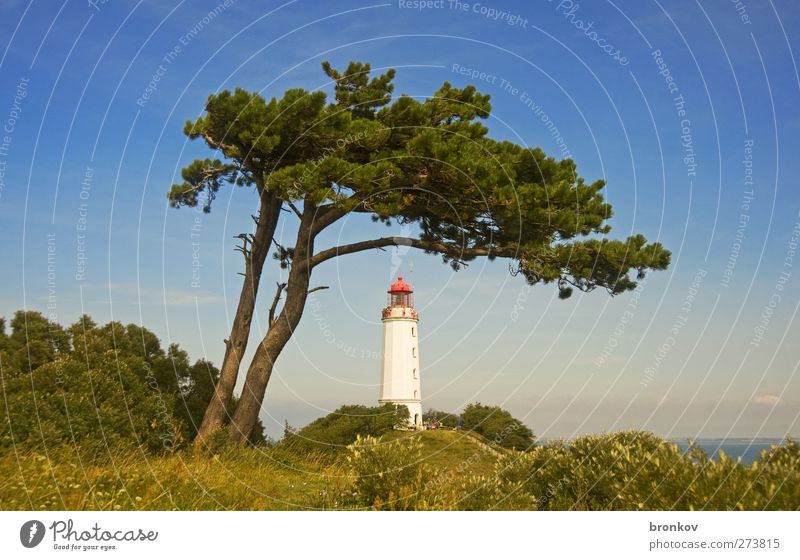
<point x="416" y="394"/>
<point x="414" y="352"/>
<point x="415" y="373"/>
<point x="413" y="332"/>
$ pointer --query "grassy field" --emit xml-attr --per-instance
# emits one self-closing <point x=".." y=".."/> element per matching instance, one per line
<point x="235" y="479"/>
<point x="432" y="470"/>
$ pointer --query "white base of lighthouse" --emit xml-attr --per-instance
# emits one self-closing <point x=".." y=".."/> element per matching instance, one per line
<point x="400" y="379"/>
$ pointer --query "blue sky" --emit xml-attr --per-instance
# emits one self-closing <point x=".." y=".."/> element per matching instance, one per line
<point x="705" y="349"/>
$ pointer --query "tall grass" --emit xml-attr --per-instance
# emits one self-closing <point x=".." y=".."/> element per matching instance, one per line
<point x="128" y="479"/>
<point x="405" y="470"/>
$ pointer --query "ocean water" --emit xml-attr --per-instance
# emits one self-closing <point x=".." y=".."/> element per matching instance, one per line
<point x="747" y="450"/>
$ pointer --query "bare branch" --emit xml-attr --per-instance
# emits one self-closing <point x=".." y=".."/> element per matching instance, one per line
<point x="318" y="288"/>
<point x="247" y="239"/>
<point x="295" y="209"/>
<point x="278" y="245"/>
<point x="275" y="300"/>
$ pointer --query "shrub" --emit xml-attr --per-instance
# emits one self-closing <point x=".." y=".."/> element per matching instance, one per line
<point x="640" y="471"/>
<point x="621" y="471"/>
<point x="498" y="426"/>
<point x="388" y="475"/>
<point x="482" y="493"/>
<point x="393" y="476"/>
<point x="340" y="428"/>
<point x="773" y="481"/>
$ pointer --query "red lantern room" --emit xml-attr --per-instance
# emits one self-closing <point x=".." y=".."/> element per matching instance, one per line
<point x="400" y="294"/>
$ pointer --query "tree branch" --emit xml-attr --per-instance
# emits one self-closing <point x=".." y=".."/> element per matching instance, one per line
<point x="295" y="209"/>
<point x="318" y="288"/>
<point x="329" y="213"/>
<point x="450" y="249"/>
<point x="216" y="144"/>
<point x="326" y="215"/>
<point x="247" y="239"/>
<point x="275" y="300"/>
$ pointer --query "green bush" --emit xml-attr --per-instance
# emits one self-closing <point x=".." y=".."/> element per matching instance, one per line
<point x="773" y="481"/>
<point x="621" y="471"/>
<point x="388" y="475"/>
<point x="640" y="471"/>
<point x="498" y="426"/>
<point x="340" y="428"/>
<point x="481" y="493"/>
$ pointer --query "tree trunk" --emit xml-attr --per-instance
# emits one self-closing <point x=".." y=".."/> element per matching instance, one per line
<point x="236" y="345"/>
<point x="279" y="333"/>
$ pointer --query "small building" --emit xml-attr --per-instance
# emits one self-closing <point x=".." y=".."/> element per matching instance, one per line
<point x="400" y="383"/>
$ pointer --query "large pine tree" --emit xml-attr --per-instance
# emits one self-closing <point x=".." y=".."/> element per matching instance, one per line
<point x="424" y="162"/>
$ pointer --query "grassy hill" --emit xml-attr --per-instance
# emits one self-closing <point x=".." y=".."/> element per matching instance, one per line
<point x="236" y="479"/>
<point x="447" y="449"/>
<point x="406" y="470"/>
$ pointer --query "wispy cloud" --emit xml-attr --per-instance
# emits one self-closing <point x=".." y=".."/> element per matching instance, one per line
<point x="767" y="400"/>
<point x="132" y="294"/>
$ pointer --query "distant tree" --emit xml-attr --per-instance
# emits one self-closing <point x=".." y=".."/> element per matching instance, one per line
<point x="339" y="429"/>
<point x="444" y="419"/>
<point x="108" y="404"/>
<point x="424" y="162"/>
<point x="5" y="358"/>
<point x="498" y="426"/>
<point x="101" y="384"/>
<point x="34" y="341"/>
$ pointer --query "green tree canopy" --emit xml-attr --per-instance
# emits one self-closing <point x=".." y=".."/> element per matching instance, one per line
<point x="100" y="385"/>
<point x="34" y="341"/>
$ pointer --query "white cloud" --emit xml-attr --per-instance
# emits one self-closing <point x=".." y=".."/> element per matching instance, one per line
<point x="767" y="400"/>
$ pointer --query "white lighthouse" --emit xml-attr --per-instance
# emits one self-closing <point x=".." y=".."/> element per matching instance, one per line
<point x="400" y="367"/>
